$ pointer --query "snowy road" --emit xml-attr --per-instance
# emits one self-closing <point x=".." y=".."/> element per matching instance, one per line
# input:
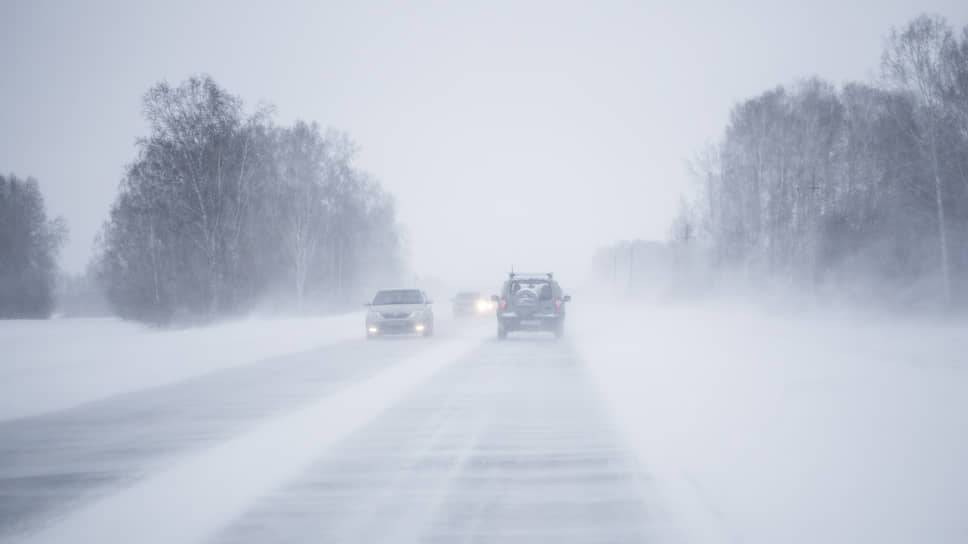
<point x="508" y="444"/>
<point x="680" y="424"/>
<point x="456" y="438"/>
<point x="51" y="462"/>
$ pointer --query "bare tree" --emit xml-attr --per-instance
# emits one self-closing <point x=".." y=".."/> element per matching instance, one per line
<point x="221" y="208"/>
<point x="914" y="62"/>
<point x="29" y="243"/>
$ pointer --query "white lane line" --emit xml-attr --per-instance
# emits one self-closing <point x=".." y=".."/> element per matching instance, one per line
<point x="195" y="498"/>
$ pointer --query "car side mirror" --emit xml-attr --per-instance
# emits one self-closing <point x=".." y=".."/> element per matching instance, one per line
<point x="566" y="298"/>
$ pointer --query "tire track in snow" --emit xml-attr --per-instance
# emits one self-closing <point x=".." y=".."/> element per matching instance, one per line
<point x="511" y="444"/>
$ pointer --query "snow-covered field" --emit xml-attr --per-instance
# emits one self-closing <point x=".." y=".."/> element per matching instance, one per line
<point x="55" y="364"/>
<point x="772" y="428"/>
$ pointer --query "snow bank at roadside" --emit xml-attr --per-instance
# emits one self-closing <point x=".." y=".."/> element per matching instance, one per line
<point x="55" y="364"/>
<point x="769" y="428"/>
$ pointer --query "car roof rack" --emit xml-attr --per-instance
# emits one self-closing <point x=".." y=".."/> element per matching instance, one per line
<point x="550" y="275"/>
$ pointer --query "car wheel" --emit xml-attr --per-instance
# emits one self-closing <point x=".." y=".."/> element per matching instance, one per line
<point x="559" y="330"/>
<point x="502" y="333"/>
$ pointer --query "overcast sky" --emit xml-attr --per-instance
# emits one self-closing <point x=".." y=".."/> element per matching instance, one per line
<point x="524" y="133"/>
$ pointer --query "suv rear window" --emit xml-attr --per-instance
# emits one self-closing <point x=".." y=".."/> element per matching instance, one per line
<point x="538" y="286"/>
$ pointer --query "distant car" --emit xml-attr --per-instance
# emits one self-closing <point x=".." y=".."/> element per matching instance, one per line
<point x="400" y="311"/>
<point x="472" y="303"/>
<point x="531" y="302"/>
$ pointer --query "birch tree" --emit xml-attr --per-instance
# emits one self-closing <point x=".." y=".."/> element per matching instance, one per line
<point x="914" y="62"/>
<point x="29" y="244"/>
<point x="221" y="211"/>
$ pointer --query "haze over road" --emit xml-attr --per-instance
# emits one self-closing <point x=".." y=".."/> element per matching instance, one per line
<point x="494" y="441"/>
<point x="626" y="430"/>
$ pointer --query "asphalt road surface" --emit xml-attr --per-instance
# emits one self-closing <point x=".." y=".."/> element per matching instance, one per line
<point x="457" y="438"/>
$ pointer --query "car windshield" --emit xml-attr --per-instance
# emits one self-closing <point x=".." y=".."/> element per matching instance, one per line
<point x="398" y="296"/>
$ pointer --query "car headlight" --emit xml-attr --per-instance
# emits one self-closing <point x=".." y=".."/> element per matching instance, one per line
<point x="483" y="305"/>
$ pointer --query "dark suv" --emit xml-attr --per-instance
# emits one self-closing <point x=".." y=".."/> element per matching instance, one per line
<point x="530" y="302"/>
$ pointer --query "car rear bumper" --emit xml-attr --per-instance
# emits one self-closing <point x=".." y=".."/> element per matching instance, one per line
<point x="513" y="322"/>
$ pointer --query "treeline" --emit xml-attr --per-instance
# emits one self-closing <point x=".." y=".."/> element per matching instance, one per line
<point x="863" y="188"/>
<point x="223" y="210"/>
<point x="29" y="243"/>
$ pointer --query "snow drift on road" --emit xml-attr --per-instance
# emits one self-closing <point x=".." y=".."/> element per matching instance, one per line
<point x="55" y="364"/>
<point x="203" y="492"/>
<point x="771" y="428"/>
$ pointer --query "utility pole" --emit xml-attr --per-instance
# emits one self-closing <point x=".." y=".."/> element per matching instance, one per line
<point x="632" y="266"/>
<point x="615" y="267"/>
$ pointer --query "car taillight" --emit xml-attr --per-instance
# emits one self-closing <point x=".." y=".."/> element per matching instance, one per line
<point x="557" y="303"/>
<point x="504" y="302"/>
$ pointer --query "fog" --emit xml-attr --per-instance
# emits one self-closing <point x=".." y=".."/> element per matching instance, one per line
<point x="479" y="119"/>
<point x="795" y="427"/>
<point x="631" y="272"/>
<point x="710" y="422"/>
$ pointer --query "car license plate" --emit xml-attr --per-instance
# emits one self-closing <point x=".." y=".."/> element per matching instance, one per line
<point x="528" y="322"/>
